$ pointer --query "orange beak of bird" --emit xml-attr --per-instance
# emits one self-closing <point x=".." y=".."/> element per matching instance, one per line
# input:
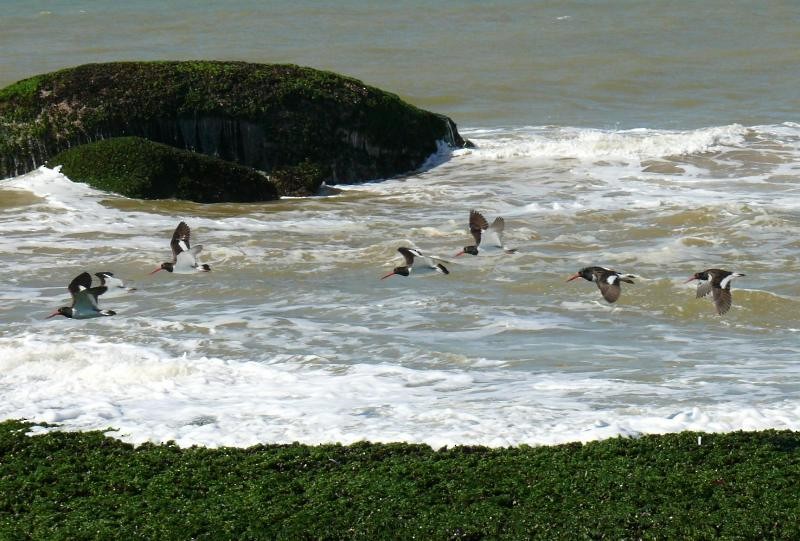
<point x="388" y="275"/>
<point x="571" y="278"/>
<point x="690" y="279"/>
<point x="459" y="254"/>
<point x="54" y="314"/>
<point x="155" y="271"/>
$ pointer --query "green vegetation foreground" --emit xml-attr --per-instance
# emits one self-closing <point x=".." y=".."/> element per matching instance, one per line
<point x="740" y="485"/>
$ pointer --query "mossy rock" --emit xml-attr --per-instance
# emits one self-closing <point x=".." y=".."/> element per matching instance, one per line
<point x="271" y="117"/>
<point x="299" y="180"/>
<point x="138" y="168"/>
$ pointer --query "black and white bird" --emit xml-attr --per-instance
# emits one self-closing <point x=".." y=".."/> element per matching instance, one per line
<point x="184" y="256"/>
<point x="718" y="283"/>
<point x="84" y="300"/>
<point x="477" y="225"/>
<point x="114" y="284"/>
<point x="606" y="279"/>
<point x="431" y="263"/>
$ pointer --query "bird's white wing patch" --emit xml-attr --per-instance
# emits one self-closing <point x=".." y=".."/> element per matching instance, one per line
<point x="430" y="259"/>
<point x="112" y="282"/>
<point x="186" y="259"/>
<point x="727" y="280"/>
<point x="437" y="259"/>
<point x="497" y="236"/>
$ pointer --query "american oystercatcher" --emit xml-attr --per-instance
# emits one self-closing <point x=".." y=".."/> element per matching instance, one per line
<point x="607" y="280"/>
<point x="184" y="257"/>
<point x="84" y="300"/>
<point x="477" y="225"/>
<point x="431" y="263"/>
<point x="718" y="283"/>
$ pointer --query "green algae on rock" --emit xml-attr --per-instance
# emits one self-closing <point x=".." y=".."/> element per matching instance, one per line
<point x="136" y="167"/>
<point x="302" y="179"/>
<point x="271" y="117"/>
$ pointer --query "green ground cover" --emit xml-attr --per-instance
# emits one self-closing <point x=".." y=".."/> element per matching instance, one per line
<point x="741" y="485"/>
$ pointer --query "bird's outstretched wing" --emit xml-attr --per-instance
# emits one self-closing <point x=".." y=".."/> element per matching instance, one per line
<point x="86" y="300"/>
<point x="477" y="224"/>
<point x="180" y="240"/>
<point x="80" y="283"/>
<point x="113" y="283"/>
<point x="433" y="262"/>
<point x="188" y="258"/>
<point x="104" y="276"/>
<point x="703" y="288"/>
<point x="435" y="259"/>
<point x="610" y="292"/>
<point x="722" y="299"/>
<point x="498" y="226"/>
<point x="107" y="279"/>
<point x="608" y="281"/>
<point x="408" y="255"/>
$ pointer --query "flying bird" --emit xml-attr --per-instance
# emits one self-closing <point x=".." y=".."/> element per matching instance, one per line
<point x="84" y="300"/>
<point x="184" y="256"/>
<point x="431" y="263"/>
<point x="606" y="279"/>
<point x="718" y="283"/>
<point x="477" y="225"/>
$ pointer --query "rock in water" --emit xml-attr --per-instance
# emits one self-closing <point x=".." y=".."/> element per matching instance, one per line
<point x="292" y="120"/>
<point x="138" y="168"/>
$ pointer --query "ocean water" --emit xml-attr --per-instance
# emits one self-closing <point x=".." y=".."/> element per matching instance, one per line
<point x="659" y="139"/>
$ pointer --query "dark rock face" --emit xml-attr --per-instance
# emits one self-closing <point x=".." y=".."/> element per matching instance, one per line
<point x="269" y="117"/>
<point x="138" y="168"/>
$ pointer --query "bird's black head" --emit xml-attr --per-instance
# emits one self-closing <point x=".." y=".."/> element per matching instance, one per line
<point x="471" y="250"/>
<point x="698" y="276"/>
<point x="585" y="273"/>
<point x="400" y="271"/>
<point x="65" y="311"/>
<point x="167" y="266"/>
<point x="205" y="268"/>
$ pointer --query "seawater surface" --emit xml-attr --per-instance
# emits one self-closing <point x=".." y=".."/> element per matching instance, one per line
<point x="293" y="336"/>
<point x="655" y="140"/>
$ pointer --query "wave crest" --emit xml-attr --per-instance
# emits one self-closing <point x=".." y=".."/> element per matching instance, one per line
<point x="593" y="144"/>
